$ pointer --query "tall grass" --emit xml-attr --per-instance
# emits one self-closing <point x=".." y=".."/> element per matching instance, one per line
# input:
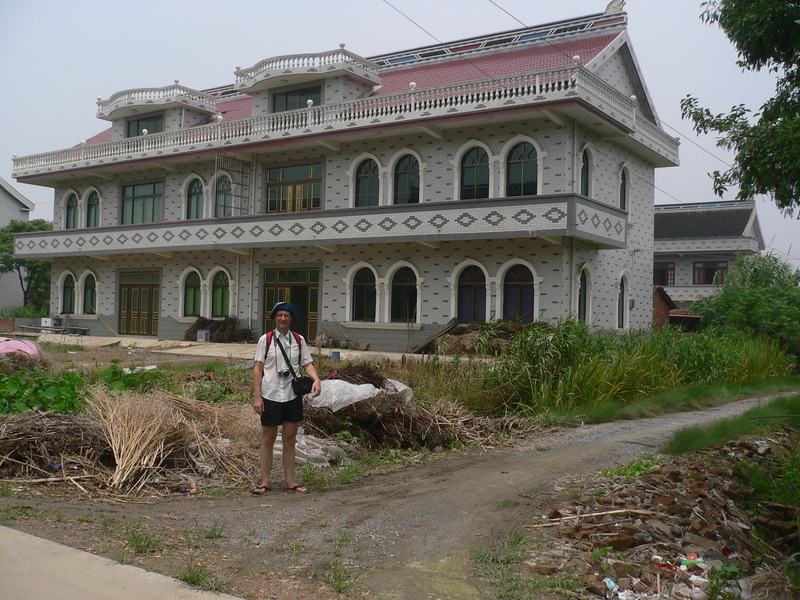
<point x="569" y="367"/>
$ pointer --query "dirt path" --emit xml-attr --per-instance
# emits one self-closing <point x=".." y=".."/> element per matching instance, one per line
<point x="406" y="534"/>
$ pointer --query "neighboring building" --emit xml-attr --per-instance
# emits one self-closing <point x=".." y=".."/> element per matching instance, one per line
<point x="697" y="244"/>
<point x="13" y="207"/>
<point x="506" y="176"/>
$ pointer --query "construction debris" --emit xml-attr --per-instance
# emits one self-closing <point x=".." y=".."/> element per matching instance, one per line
<point x="676" y="532"/>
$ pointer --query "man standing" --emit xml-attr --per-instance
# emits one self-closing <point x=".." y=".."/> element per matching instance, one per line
<point x="273" y="397"/>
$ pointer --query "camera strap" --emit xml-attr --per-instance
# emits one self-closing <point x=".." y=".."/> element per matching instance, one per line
<point x="286" y="358"/>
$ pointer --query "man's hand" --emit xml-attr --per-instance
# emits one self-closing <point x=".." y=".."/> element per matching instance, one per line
<point x="258" y="405"/>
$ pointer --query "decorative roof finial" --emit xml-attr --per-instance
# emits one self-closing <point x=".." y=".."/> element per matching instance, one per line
<point x="615" y="6"/>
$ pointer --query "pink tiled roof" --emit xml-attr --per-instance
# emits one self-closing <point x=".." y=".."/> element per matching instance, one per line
<point x="461" y="69"/>
<point x="455" y="70"/>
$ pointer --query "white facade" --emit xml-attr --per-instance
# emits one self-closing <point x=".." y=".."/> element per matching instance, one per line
<point x="590" y="127"/>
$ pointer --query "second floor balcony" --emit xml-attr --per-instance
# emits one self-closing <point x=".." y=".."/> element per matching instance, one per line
<point x="574" y="92"/>
<point x="551" y="217"/>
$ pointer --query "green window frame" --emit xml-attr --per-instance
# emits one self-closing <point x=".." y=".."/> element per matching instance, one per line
<point x="194" y="200"/>
<point x="68" y="296"/>
<point x="406" y="180"/>
<point x="220" y="295"/>
<point x="136" y="127"/>
<point x="295" y="188"/>
<point x="191" y="295"/>
<point x="367" y="184"/>
<point x="223" y="197"/>
<point x="404" y="296"/>
<point x="89" y="295"/>
<point x="522" y="171"/>
<point x="294" y="99"/>
<point x="93" y="210"/>
<point x="586" y="173"/>
<point x="474" y="174"/>
<point x="143" y="203"/>
<point x="364" y="295"/>
<point x="623" y="190"/>
<point x="71" y="216"/>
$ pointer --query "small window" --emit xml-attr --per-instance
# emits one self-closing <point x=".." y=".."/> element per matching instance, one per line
<point x="522" y="171"/>
<point x="68" y="295"/>
<point x="406" y="181"/>
<point x="622" y="302"/>
<point x="583" y="297"/>
<point x="518" y="294"/>
<point x="710" y="273"/>
<point x="194" y="200"/>
<point x="404" y="296"/>
<point x="191" y="295"/>
<point x="71" y="220"/>
<point x="223" y="204"/>
<point x="136" y="127"/>
<point x="364" y="295"/>
<point x="293" y="189"/>
<point x="367" y="183"/>
<point x="472" y="295"/>
<point x="475" y="174"/>
<point x="586" y="174"/>
<point x="623" y="190"/>
<point x="220" y="295"/>
<point x="93" y="210"/>
<point x="89" y="295"/>
<point x="664" y="273"/>
<point x="143" y="203"/>
<point x="294" y="99"/>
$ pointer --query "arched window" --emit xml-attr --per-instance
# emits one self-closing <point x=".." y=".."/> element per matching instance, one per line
<point x="367" y="183"/>
<point x="621" y="305"/>
<point x="191" y="295"/>
<point x="583" y="297"/>
<point x="364" y="295"/>
<point x="406" y="181"/>
<point x="518" y="294"/>
<point x="522" y="178"/>
<point x="586" y="173"/>
<point x="623" y="189"/>
<point x="220" y="295"/>
<point x="194" y="200"/>
<point x="475" y="174"/>
<point x="404" y="296"/>
<point x="472" y="295"/>
<point x="68" y="295"/>
<point x="223" y="204"/>
<point x="93" y="210"/>
<point x="71" y="220"/>
<point x="89" y="295"/>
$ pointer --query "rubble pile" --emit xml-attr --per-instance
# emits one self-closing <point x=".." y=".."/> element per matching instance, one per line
<point x="677" y="532"/>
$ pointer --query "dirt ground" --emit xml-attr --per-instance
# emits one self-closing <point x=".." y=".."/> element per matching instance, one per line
<point x="406" y="533"/>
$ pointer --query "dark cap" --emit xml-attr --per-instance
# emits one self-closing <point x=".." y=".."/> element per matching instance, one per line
<point x="287" y="306"/>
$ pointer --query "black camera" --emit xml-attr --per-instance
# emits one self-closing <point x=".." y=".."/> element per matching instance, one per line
<point x="284" y="373"/>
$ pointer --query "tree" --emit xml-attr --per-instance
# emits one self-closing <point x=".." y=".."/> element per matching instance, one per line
<point x="766" y="34"/>
<point x="760" y="295"/>
<point x="33" y="275"/>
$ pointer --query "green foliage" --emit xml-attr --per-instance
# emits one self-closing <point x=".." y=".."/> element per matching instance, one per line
<point x="636" y="468"/>
<point x="33" y="275"/>
<point x="753" y="421"/>
<point x="723" y="583"/>
<point x="766" y="34"/>
<point x="137" y="380"/>
<point x="761" y="296"/>
<point x="25" y="312"/>
<point x="781" y="484"/>
<point x="25" y="390"/>
<point x="201" y="577"/>
<point x="140" y="541"/>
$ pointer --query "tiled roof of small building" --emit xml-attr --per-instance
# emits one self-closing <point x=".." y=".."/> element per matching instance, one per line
<point x="718" y="220"/>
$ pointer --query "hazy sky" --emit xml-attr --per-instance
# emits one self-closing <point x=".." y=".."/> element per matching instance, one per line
<point x="58" y="56"/>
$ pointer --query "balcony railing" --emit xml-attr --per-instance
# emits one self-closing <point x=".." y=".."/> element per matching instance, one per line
<point x="499" y="218"/>
<point x="142" y="96"/>
<point x="302" y="62"/>
<point x="573" y="83"/>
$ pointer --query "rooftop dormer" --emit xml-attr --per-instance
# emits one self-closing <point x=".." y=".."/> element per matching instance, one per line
<point x="294" y="69"/>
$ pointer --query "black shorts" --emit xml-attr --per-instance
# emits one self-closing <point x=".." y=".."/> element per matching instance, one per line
<point x="276" y="413"/>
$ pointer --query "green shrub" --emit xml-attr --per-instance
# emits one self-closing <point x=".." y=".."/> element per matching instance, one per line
<point x="25" y="390"/>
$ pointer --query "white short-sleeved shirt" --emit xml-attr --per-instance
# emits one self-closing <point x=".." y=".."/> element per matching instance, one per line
<point x="274" y="386"/>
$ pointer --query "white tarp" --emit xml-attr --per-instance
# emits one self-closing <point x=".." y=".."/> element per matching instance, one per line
<point x="335" y="394"/>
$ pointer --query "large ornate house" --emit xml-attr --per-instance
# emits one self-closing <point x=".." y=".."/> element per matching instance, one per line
<point x="506" y="176"/>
